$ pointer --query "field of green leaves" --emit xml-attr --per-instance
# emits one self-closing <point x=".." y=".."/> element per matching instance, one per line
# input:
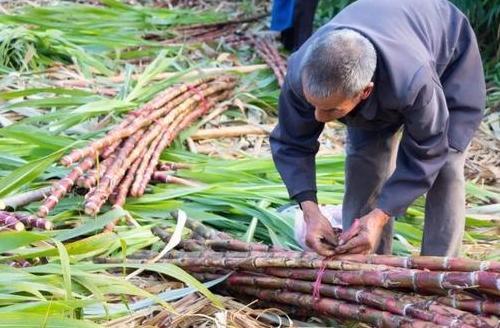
<point x="68" y="73"/>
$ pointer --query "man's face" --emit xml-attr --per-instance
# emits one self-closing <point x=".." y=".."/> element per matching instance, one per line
<point x="336" y="106"/>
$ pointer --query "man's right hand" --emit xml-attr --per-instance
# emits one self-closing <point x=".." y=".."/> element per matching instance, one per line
<point x="320" y="235"/>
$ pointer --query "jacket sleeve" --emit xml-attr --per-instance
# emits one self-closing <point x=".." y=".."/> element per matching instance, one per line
<point x="294" y="144"/>
<point x="422" y="152"/>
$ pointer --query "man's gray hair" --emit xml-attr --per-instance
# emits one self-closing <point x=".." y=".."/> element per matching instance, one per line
<point x="342" y="61"/>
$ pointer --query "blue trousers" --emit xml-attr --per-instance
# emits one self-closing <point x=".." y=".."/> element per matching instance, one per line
<point x="371" y="157"/>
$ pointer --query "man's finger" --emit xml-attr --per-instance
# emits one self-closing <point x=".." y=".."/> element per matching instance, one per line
<point x="330" y="238"/>
<point x="357" y="250"/>
<point x="351" y="232"/>
<point x="352" y="243"/>
<point x="321" y="248"/>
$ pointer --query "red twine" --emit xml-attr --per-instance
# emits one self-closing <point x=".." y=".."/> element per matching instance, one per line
<point x="319" y="278"/>
<point x="203" y="100"/>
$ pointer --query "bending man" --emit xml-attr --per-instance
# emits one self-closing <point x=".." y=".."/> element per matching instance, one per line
<point x="381" y="66"/>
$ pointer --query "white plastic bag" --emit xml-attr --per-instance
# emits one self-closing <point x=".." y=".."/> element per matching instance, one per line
<point x="332" y="212"/>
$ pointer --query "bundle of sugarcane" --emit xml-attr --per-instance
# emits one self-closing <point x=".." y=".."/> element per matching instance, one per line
<point x="266" y="49"/>
<point x="123" y="162"/>
<point x="211" y="31"/>
<point x="387" y="291"/>
<point x="268" y="52"/>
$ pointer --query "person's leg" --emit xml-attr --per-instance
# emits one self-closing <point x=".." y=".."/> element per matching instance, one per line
<point x="445" y="209"/>
<point x="463" y="84"/>
<point x="302" y="28"/>
<point x="370" y="161"/>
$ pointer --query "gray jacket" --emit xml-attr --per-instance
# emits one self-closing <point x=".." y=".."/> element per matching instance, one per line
<point x="429" y="79"/>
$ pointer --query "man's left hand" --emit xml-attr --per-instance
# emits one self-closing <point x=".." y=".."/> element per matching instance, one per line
<point x="364" y="235"/>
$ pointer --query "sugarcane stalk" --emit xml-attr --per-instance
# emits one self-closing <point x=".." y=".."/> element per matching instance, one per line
<point x="24" y="198"/>
<point x="352" y="273"/>
<point x="433" y="263"/>
<point x="165" y="237"/>
<point x="335" y="308"/>
<point x="9" y="221"/>
<point x="236" y="245"/>
<point x="360" y="296"/>
<point x="92" y="176"/>
<point x="255" y="263"/>
<point x="31" y="221"/>
<point x="122" y="190"/>
<point x="169" y="136"/>
<point x="171" y="166"/>
<point x="98" y="196"/>
<point x="430" y="303"/>
<point x="20" y="263"/>
<point x="202" y="252"/>
<point x="202" y="246"/>
<point x="124" y="186"/>
<point x="115" y="135"/>
<point x="272" y="59"/>
<point x="132" y="148"/>
<point x="164" y="177"/>
<point x="150" y="159"/>
<point x="139" y="176"/>
<point x="236" y="21"/>
<point x="471" y="305"/>
<point x="395" y="278"/>
<point x="109" y="181"/>
<point x="159" y="101"/>
<point x="63" y="186"/>
<point x="231" y="131"/>
<point x="202" y="230"/>
<point x="166" y="136"/>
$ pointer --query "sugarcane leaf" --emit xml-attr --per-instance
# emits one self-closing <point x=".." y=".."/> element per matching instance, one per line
<point x="248" y="236"/>
<point x="10" y="240"/>
<point x="34" y="136"/>
<point x="174" y="240"/>
<point x="26" y="173"/>
<point x="8" y="95"/>
<point x="34" y="320"/>
<point x="66" y="271"/>
<point x="181" y="275"/>
<point x="97" y="310"/>
<point x="92" y="225"/>
<point x="85" y="247"/>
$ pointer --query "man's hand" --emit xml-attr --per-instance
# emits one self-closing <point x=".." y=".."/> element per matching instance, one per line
<point x="320" y="235"/>
<point x="364" y="235"/>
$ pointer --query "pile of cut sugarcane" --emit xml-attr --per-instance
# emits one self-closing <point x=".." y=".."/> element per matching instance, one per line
<point x="212" y="31"/>
<point x="268" y="52"/>
<point x="124" y="161"/>
<point x="384" y="291"/>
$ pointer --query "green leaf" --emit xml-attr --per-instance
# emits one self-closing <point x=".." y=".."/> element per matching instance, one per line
<point x="10" y="240"/>
<point x="34" y="320"/>
<point x="26" y="173"/>
<point x="66" y="271"/>
<point x="92" y="225"/>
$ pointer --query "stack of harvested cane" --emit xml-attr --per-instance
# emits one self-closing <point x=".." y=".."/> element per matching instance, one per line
<point x="268" y="52"/>
<point x="266" y="49"/>
<point x="212" y="31"/>
<point x="123" y="162"/>
<point x="384" y="291"/>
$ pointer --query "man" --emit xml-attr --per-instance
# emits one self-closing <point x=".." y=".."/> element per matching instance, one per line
<point x="381" y="66"/>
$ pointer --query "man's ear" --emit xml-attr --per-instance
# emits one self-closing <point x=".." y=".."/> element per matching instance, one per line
<point x="367" y="91"/>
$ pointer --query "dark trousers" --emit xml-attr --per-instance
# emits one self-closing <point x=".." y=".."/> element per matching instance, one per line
<point x="302" y="27"/>
<point x="371" y="157"/>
